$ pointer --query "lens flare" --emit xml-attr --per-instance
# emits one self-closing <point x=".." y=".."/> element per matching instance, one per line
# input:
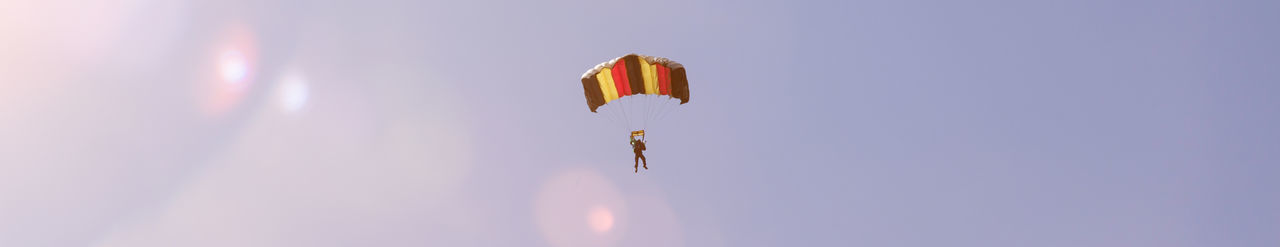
<point x="600" y="219"/>
<point x="233" y="66"/>
<point x="292" y="93"/>
<point x="580" y="208"/>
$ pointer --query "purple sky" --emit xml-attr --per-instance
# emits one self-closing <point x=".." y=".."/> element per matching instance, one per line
<point x="842" y="123"/>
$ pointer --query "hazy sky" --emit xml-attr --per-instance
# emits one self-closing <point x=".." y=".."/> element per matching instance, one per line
<point x="842" y="123"/>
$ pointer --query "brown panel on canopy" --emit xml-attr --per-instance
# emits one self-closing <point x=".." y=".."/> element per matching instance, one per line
<point x="591" y="87"/>
<point x="635" y="74"/>
<point x="679" y="85"/>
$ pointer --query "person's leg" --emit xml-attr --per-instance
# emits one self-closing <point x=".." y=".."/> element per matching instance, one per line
<point x="638" y="163"/>
<point x="646" y="162"/>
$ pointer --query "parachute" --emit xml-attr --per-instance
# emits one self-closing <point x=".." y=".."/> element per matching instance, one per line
<point x="634" y="90"/>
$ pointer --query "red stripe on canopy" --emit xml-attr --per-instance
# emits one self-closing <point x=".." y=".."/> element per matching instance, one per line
<point x="664" y="80"/>
<point x="620" y="78"/>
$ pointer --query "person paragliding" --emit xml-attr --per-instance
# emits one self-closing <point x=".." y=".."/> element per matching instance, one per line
<point x="634" y="90"/>
<point x="637" y="146"/>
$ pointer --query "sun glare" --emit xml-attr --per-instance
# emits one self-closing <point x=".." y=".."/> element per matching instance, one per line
<point x="600" y="219"/>
<point x="293" y="93"/>
<point x="233" y="66"/>
<point x="231" y="71"/>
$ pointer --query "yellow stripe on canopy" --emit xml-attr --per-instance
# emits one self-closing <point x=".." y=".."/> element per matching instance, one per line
<point x="606" y="85"/>
<point x="650" y="83"/>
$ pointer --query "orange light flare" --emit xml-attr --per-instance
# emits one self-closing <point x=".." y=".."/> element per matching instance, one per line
<point x="580" y="208"/>
<point x="231" y="72"/>
<point x="600" y="219"/>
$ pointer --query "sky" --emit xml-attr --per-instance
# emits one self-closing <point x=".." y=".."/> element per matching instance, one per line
<point x="810" y="123"/>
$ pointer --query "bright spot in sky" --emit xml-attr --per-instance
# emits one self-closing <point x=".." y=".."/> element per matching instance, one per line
<point x="581" y="208"/>
<point x="600" y="219"/>
<point x="233" y="66"/>
<point x="293" y="93"/>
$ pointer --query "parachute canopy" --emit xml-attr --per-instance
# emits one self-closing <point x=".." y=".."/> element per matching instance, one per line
<point x="634" y="74"/>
